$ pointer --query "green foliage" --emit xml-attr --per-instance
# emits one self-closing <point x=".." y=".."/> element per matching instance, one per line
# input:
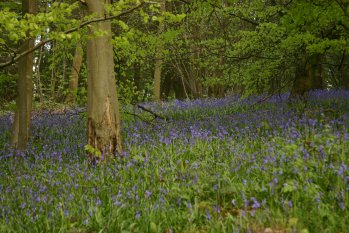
<point x="276" y="39"/>
<point x="8" y="87"/>
<point x="129" y="93"/>
<point x="94" y="151"/>
<point x="16" y="28"/>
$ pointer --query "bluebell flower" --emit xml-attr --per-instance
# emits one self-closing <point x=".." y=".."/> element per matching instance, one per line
<point x="147" y="194"/>
<point x="138" y="214"/>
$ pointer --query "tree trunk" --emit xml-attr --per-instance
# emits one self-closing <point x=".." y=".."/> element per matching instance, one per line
<point x="39" y="84"/>
<point x="102" y="103"/>
<point x="159" y="57"/>
<point x="53" y="84"/>
<point x="344" y="78"/>
<point x="343" y="72"/>
<point x="308" y="77"/>
<point x="315" y="72"/>
<point x="74" y="80"/>
<point x="20" y="129"/>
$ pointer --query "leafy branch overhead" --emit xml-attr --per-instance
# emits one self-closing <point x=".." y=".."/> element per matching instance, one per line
<point x="7" y="16"/>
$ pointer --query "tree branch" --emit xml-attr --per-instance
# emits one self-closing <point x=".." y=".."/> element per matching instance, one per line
<point x="244" y="19"/>
<point x="139" y="117"/>
<point x="42" y="43"/>
<point x="151" y="112"/>
<point x="272" y="94"/>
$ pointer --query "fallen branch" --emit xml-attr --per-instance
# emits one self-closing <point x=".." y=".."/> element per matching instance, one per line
<point x="151" y="112"/>
<point x="272" y="94"/>
<point x="139" y="117"/>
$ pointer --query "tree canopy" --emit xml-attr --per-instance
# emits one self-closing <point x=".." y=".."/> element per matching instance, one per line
<point x="178" y="49"/>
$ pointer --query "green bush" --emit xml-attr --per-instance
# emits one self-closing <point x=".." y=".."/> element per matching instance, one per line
<point x="7" y="87"/>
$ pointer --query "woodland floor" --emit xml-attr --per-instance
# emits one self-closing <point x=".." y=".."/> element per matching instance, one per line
<point x="210" y="165"/>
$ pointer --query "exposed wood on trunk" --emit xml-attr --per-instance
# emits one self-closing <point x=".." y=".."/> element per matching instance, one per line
<point x="102" y="102"/>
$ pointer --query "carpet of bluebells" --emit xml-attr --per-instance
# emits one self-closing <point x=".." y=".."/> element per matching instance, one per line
<point x="210" y="165"/>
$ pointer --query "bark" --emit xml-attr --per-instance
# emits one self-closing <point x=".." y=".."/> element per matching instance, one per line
<point x="343" y="72"/>
<point x="53" y="83"/>
<point x="102" y="103"/>
<point x="159" y="57"/>
<point x="74" y="80"/>
<point x="53" y="76"/>
<point x="20" y="129"/>
<point x="344" y="78"/>
<point x="38" y="75"/>
<point x="308" y="77"/>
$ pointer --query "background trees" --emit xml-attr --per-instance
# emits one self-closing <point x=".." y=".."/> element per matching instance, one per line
<point x="174" y="49"/>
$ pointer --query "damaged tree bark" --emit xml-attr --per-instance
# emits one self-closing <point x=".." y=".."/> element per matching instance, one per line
<point x="102" y="102"/>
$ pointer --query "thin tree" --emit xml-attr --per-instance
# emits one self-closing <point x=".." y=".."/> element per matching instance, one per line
<point x="159" y="57"/>
<point x="75" y="71"/>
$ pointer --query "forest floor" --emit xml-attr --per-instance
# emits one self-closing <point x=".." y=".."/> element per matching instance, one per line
<point x="210" y="165"/>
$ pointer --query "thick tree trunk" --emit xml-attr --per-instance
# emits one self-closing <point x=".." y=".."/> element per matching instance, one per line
<point x="74" y="80"/>
<point x="159" y="57"/>
<point x="308" y="77"/>
<point x="20" y="129"/>
<point x="102" y="102"/>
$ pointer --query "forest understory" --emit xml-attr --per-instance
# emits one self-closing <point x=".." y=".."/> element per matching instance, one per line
<point x="208" y="165"/>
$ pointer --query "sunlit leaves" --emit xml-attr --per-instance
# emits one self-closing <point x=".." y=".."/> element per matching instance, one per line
<point x="56" y="20"/>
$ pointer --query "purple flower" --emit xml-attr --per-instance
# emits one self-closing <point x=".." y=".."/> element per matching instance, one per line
<point x="275" y="180"/>
<point x="342" y="206"/>
<point x="290" y="204"/>
<point x="138" y="214"/>
<point x="147" y="194"/>
<point x="208" y="215"/>
<point x="189" y="205"/>
<point x="255" y="204"/>
<point x="312" y="122"/>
